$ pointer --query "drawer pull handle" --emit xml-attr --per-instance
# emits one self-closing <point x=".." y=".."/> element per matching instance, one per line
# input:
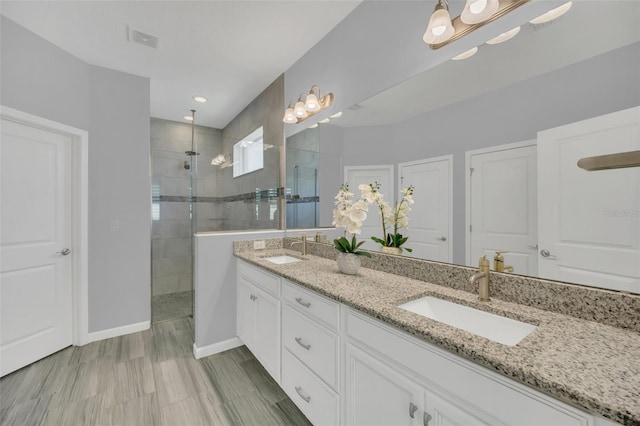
<point x="412" y="410"/>
<point x="302" y="302"/>
<point x="302" y="395"/>
<point x="304" y="345"/>
<point x="426" y="418"/>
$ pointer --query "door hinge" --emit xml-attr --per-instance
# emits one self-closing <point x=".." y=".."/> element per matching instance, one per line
<point x="471" y="169"/>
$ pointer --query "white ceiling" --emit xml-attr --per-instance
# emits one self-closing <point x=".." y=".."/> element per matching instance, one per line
<point x="227" y="51"/>
<point x="536" y="50"/>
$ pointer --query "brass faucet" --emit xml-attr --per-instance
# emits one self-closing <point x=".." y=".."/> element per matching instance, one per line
<point x="303" y="244"/>
<point x="483" y="276"/>
<point x="498" y="262"/>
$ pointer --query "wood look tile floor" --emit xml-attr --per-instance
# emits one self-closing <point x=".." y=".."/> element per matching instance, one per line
<point x="146" y="378"/>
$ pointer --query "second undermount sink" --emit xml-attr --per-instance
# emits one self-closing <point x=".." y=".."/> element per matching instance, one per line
<point x="494" y="327"/>
<point x="282" y="260"/>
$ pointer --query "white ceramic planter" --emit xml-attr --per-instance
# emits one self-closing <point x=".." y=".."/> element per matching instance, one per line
<point x="348" y="263"/>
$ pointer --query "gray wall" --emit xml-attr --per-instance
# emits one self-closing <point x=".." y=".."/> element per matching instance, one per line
<point x="41" y="79"/>
<point x="593" y="87"/>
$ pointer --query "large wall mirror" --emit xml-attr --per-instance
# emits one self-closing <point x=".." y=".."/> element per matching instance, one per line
<point x="491" y="144"/>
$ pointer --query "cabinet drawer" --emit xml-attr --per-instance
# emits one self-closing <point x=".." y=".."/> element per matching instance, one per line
<point x="316" y="347"/>
<point x="258" y="277"/>
<point x="313" y="398"/>
<point x="314" y="305"/>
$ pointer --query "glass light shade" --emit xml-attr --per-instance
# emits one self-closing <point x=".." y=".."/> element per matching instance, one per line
<point x="464" y="55"/>
<point x="439" y="28"/>
<point x="476" y="11"/>
<point x="289" y="116"/>
<point x="299" y="110"/>
<point x="552" y="14"/>
<point x="336" y="115"/>
<point x="312" y="103"/>
<point x="504" y="36"/>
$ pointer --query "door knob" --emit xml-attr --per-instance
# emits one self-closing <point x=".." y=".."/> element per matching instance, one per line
<point x="547" y="254"/>
<point x="442" y="238"/>
<point x="64" y="251"/>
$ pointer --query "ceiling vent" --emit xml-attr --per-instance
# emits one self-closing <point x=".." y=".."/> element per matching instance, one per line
<point x="136" y="36"/>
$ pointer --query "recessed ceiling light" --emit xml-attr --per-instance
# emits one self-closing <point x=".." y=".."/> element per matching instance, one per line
<point x="200" y="99"/>
<point x="505" y="36"/>
<point x="336" y="115"/>
<point x="465" y="55"/>
<point x="313" y="126"/>
<point x="325" y="120"/>
<point x="188" y="118"/>
<point x="552" y="14"/>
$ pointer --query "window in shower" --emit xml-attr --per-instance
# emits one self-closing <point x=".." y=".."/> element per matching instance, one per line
<point x="248" y="154"/>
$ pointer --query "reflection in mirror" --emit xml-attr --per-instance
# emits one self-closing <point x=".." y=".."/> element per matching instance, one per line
<point x="248" y="154"/>
<point x="514" y="119"/>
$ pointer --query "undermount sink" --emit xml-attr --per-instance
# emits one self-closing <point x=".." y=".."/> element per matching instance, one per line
<point x="494" y="327"/>
<point x="282" y="260"/>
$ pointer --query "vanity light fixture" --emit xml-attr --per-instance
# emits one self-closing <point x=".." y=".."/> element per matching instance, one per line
<point x="552" y="14"/>
<point x="505" y="36"/>
<point x="307" y="106"/>
<point x="464" y="55"/>
<point x="442" y="30"/>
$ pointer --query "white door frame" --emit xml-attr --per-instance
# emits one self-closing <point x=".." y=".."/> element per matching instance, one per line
<point x="79" y="209"/>
<point x="467" y="189"/>
<point x="448" y="158"/>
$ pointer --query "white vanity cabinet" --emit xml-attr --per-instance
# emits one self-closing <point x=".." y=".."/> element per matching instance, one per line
<point x="311" y="353"/>
<point x="258" y="315"/>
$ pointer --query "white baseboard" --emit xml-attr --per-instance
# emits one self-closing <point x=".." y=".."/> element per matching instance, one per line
<point x="216" y="347"/>
<point x="117" y="331"/>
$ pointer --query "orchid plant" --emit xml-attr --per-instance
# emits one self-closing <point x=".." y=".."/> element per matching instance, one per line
<point x="396" y="218"/>
<point x="350" y="215"/>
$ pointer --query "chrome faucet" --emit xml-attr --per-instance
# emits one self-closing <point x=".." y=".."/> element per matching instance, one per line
<point x="303" y="244"/>
<point x="483" y="276"/>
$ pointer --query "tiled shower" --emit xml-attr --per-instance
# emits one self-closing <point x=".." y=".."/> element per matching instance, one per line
<point x="183" y="188"/>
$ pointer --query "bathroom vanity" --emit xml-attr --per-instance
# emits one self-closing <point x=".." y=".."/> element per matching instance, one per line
<point x="346" y="352"/>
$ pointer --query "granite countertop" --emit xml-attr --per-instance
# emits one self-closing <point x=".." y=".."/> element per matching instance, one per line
<point x="593" y="366"/>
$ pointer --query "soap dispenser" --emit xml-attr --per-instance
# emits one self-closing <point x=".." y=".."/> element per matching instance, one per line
<point x="498" y="262"/>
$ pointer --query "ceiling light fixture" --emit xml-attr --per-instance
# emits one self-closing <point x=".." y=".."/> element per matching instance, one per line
<point x="464" y="55"/>
<point x="308" y="106"/>
<point x="552" y="14"/>
<point x="442" y="30"/>
<point x="504" y="36"/>
<point x="200" y="99"/>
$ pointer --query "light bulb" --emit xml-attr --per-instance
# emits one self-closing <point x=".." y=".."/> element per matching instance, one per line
<point x="464" y="55"/>
<point x="476" y="11"/>
<point x="552" y="14"/>
<point x="289" y="116"/>
<point x="504" y="36"/>
<point x="299" y="110"/>
<point x="312" y="103"/>
<point x="439" y="28"/>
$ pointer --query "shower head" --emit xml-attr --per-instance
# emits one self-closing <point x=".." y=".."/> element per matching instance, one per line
<point x="187" y="166"/>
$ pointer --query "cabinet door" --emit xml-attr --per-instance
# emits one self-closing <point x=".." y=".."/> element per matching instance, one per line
<point x="441" y="412"/>
<point x="246" y="314"/>
<point x="379" y="395"/>
<point x="267" y="337"/>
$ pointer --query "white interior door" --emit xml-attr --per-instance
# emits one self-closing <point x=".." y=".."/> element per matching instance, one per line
<point x="356" y="175"/>
<point x="430" y="218"/>
<point x="589" y="222"/>
<point x="502" y="205"/>
<point x="35" y="285"/>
